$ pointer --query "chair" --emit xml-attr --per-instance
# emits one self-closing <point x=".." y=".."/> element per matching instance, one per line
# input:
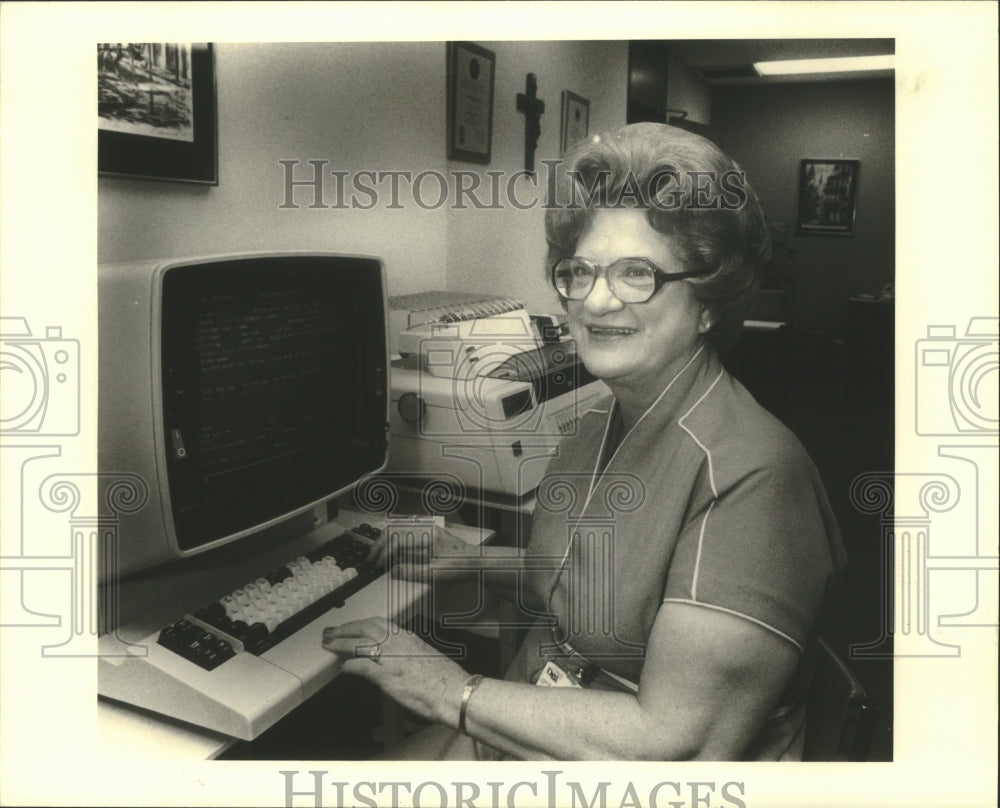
<point x="840" y="720"/>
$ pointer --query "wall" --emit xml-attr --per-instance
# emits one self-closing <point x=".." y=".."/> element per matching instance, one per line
<point x="686" y="90"/>
<point x="363" y="107"/>
<point x="343" y="103"/>
<point x="768" y="129"/>
<point x="503" y="251"/>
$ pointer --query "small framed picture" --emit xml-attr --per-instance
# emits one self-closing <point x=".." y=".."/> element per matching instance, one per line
<point x="471" y="72"/>
<point x="575" y="120"/>
<point x="156" y="111"/>
<point x="827" y="196"/>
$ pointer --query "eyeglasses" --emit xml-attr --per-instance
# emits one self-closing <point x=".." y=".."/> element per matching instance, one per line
<point x="631" y="280"/>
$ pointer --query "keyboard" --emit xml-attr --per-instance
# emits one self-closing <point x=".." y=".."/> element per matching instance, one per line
<point x="238" y="662"/>
<point x="263" y="612"/>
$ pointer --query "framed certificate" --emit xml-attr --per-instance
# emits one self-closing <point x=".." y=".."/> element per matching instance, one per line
<point x="471" y="72"/>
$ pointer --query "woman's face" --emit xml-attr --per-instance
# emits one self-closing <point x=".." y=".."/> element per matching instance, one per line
<point x="634" y="347"/>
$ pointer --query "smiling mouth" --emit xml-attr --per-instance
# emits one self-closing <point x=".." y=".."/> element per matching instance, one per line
<point x="609" y="331"/>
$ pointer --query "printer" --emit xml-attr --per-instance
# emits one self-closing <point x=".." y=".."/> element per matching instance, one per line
<point x="478" y="393"/>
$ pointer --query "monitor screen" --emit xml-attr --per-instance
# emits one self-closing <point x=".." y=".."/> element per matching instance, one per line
<point x="266" y="391"/>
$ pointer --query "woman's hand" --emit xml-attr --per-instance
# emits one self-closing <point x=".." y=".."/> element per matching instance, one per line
<point x="412" y="554"/>
<point x="406" y="668"/>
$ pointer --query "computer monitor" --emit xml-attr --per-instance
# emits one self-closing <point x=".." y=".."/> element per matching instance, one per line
<point x="237" y="392"/>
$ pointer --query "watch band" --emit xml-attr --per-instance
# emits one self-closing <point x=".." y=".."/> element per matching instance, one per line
<point x="470" y="688"/>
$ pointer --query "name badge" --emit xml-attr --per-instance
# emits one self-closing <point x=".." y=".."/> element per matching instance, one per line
<point x="552" y="675"/>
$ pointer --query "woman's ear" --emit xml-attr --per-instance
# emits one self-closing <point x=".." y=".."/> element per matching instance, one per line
<point x="705" y="323"/>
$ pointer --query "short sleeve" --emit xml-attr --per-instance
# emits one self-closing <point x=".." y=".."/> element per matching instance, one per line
<point x="764" y="547"/>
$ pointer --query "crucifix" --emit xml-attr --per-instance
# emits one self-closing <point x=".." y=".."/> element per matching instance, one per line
<point x="533" y="109"/>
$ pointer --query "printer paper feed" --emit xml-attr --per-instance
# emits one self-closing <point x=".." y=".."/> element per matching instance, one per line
<point x="453" y="331"/>
<point x="451" y="307"/>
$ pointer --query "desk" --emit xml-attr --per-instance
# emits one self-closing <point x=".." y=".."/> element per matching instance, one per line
<point x="128" y="733"/>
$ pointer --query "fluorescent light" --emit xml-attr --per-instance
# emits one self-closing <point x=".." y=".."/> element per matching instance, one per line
<point x="838" y="65"/>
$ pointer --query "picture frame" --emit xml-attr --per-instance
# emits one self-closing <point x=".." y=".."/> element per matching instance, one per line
<point x="157" y="111"/>
<point x="471" y="76"/>
<point x="827" y="196"/>
<point x="575" y="121"/>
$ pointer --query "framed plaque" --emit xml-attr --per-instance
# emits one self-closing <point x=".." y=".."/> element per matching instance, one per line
<point x="471" y="72"/>
<point x="575" y="120"/>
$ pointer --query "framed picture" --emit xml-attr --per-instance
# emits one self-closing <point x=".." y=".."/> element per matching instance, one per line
<point x="156" y="111"/>
<point x="575" y="120"/>
<point x="471" y="72"/>
<point x="827" y="196"/>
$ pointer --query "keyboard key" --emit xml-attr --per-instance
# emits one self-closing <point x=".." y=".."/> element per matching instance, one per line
<point x="278" y="575"/>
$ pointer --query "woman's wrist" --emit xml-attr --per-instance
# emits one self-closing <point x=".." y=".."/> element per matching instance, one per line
<point x="471" y="684"/>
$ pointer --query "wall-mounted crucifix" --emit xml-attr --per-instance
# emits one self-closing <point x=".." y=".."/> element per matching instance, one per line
<point x="533" y="109"/>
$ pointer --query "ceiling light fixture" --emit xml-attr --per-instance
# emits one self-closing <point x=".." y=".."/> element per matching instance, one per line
<point x="838" y="65"/>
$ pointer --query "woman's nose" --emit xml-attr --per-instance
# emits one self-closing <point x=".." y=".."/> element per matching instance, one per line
<point x="601" y="299"/>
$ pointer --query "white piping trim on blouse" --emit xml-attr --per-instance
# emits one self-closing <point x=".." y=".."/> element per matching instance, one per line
<point x="708" y="454"/>
<point x="650" y="408"/>
<point x="734" y="613"/>
<point x="598" y="472"/>
<point x="711" y="481"/>
<point x="693" y="600"/>
<point x="697" y="559"/>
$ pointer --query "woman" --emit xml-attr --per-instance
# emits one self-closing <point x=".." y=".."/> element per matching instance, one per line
<point x="683" y="541"/>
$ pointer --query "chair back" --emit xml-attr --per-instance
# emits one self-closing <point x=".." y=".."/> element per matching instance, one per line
<point x="840" y="720"/>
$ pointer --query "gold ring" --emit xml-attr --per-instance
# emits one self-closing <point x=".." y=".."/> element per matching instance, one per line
<point x="374" y="654"/>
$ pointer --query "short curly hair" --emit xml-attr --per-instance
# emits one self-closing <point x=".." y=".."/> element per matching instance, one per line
<point x="692" y="191"/>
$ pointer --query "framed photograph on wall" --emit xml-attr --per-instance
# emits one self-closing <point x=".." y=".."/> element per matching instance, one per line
<point x="575" y="120"/>
<point x="156" y="111"/>
<point x="471" y="71"/>
<point x="827" y="196"/>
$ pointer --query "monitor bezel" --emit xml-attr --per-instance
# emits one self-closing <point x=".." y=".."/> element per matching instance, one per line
<point x="167" y="548"/>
